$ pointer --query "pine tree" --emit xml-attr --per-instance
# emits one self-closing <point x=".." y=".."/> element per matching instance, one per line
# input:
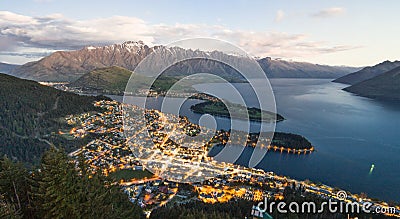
<point x="8" y="210"/>
<point x="54" y="189"/>
<point x="14" y="186"/>
<point x="64" y="190"/>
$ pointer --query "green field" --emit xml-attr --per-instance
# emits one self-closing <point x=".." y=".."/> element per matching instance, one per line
<point x="127" y="174"/>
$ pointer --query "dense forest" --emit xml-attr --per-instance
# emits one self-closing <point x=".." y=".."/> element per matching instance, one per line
<point x="30" y="115"/>
<point x="60" y="188"/>
<point x="198" y="209"/>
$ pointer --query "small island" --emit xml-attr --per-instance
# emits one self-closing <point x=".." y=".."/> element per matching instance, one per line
<point x="281" y="142"/>
<point x="218" y="108"/>
<point x="291" y="143"/>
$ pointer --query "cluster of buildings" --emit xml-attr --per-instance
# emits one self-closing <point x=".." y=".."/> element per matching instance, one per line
<point x="245" y="183"/>
<point x="108" y="152"/>
<point x="168" y="146"/>
<point x="151" y="194"/>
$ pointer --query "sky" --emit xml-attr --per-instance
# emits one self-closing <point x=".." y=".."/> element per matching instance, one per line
<point x="352" y="33"/>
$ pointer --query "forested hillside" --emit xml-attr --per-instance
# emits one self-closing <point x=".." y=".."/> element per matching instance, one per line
<point x="30" y="117"/>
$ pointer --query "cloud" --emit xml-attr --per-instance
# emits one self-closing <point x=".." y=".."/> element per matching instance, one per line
<point x="279" y="16"/>
<point x="282" y="45"/>
<point x="57" y="32"/>
<point x="27" y="54"/>
<point x="41" y="35"/>
<point x="7" y="43"/>
<point x="329" y="12"/>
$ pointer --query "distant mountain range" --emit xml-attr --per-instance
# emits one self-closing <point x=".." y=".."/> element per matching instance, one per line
<point x="70" y="65"/>
<point x="285" y="69"/>
<point x="385" y="86"/>
<point x="368" y="73"/>
<point x="7" y="68"/>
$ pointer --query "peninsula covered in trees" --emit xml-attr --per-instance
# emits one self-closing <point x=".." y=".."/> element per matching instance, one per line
<point x="215" y="106"/>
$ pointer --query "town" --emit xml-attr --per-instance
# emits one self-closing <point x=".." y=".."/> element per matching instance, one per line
<point x="156" y="167"/>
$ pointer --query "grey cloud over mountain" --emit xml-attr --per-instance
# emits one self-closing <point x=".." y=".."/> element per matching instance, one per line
<point x="56" y="32"/>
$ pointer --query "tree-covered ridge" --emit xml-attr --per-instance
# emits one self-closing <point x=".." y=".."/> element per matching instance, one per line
<point x="108" y="80"/>
<point x="279" y="140"/>
<point x="60" y="189"/>
<point x="114" y="80"/>
<point x="237" y="111"/>
<point x="30" y="116"/>
<point x="290" y="140"/>
<point x="217" y="107"/>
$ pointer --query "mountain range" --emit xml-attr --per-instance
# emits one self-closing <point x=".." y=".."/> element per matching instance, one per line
<point x="70" y="65"/>
<point x="7" y="68"/>
<point x="385" y="86"/>
<point x="368" y="73"/>
<point x="286" y="69"/>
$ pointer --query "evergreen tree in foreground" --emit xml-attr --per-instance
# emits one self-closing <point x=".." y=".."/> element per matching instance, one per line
<point x="58" y="189"/>
<point x="8" y="210"/>
<point x="14" y="187"/>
